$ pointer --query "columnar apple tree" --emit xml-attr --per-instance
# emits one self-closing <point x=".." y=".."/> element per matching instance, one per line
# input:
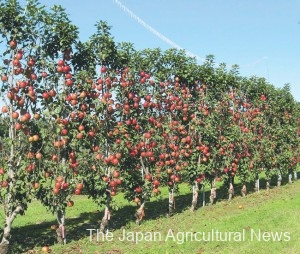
<point x="101" y="127"/>
<point x="31" y="39"/>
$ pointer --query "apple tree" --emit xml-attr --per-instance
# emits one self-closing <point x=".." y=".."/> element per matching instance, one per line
<point x="33" y="38"/>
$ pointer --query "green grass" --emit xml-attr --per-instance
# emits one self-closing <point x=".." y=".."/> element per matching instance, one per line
<point x="270" y="212"/>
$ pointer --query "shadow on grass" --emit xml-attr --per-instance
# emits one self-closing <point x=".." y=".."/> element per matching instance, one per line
<point x="28" y="237"/>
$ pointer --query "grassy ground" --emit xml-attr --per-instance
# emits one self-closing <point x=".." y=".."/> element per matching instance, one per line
<point x="249" y="224"/>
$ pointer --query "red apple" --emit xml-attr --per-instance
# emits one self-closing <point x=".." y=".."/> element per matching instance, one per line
<point x="70" y="203"/>
<point x="103" y="69"/>
<point x="116" y="174"/>
<point x="13" y="44"/>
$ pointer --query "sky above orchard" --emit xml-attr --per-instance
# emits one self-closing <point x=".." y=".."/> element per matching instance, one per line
<point x="262" y="37"/>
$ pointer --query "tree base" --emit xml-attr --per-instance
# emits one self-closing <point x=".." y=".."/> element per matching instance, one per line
<point x="193" y="206"/>
<point x="212" y="200"/>
<point x="103" y="225"/>
<point x="244" y="191"/>
<point x="139" y="215"/>
<point x="170" y="212"/>
<point x="4" y="247"/>
<point x="60" y="235"/>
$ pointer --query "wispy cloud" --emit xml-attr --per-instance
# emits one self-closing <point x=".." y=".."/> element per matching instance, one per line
<point x="155" y="32"/>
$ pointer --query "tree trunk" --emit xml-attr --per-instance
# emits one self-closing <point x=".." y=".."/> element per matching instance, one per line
<point x="140" y="213"/>
<point x="203" y="195"/>
<point x="279" y="179"/>
<point x="105" y="219"/>
<point x="4" y="245"/>
<point x="290" y="178"/>
<point x="257" y="184"/>
<point x="268" y="184"/>
<point x="295" y="175"/>
<point x="61" y="230"/>
<point x="195" y="196"/>
<point x="244" y="190"/>
<point x="171" y="203"/>
<point x="230" y="191"/>
<point x="213" y="193"/>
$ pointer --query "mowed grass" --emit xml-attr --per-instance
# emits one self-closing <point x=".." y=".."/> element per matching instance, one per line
<point x="253" y="222"/>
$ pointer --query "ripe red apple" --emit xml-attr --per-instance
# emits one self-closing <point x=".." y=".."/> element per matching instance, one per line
<point x="147" y="135"/>
<point x="115" y="161"/>
<point x="68" y="75"/>
<point x="31" y="62"/>
<point x="69" y="82"/>
<point x="148" y="97"/>
<point x="60" y="179"/>
<point x="81" y="127"/>
<point x="4" y="78"/>
<point x="58" y="185"/>
<point x="66" y="68"/>
<point x="45" y="95"/>
<point x="91" y="134"/>
<point x="56" y="191"/>
<point x="52" y="93"/>
<point x="4" y="109"/>
<point x="156" y="182"/>
<point x="33" y="76"/>
<point x="19" y="55"/>
<point x="105" y="178"/>
<point x="79" y="186"/>
<point x="79" y="136"/>
<point x="136" y="200"/>
<point x="44" y="74"/>
<point x="70" y="203"/>
<point x="103" y="69"/>
<point x="148" y="177"/>
<point x="65" y="186"/>
<point x="64" y="132"/>
<point x="199" y="179"/>
<point x="138" y="189"/>
<point x="61" y="62"/>
<point x="13" y="44"/>
<point x="54" y="157"/>
<point x="10" y="95"/>
<point x="112" y="183"/>
<point x="116" y="174"/>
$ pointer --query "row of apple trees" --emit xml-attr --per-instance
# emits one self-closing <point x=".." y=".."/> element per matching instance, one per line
<point x="105" y="118"/>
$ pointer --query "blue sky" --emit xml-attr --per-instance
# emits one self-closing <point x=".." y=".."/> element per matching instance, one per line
<point x="261" y="36"/>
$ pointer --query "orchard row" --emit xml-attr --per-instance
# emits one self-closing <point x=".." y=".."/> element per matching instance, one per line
<point x="103" y="118"/>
